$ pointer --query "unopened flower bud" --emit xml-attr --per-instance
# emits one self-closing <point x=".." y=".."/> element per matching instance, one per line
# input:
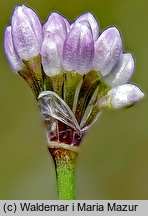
<point x="56" y="25"/>
<point x="14" y="60"/>
<point x="108" y="48"/>
<point x="120" y="97"/>
<point x="54" y="31"/>
<point x="122" y="71"/>
<point x="50" y="54"/>
<point x="26" y="32"/>
<point x="78" y="50"/>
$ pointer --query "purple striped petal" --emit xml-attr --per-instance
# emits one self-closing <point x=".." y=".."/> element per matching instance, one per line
<point x="34" y="22"/>
<point x="78" y="48"/>
<point x="92" y="21"/>
<point x="108" y="49"/>
<point x="14" y="60"/>
<point x="24" y="36"/>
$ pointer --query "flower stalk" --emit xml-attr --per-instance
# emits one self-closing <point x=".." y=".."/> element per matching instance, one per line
<point x="64" y="161"/>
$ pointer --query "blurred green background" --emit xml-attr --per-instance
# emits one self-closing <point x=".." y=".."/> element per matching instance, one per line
<point x="113" y="160"/>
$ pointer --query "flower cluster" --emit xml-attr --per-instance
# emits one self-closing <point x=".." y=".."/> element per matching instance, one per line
<point x="74" y="70"/>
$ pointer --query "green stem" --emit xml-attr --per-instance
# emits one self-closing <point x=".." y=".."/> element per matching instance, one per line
<point x="64" y="164"/>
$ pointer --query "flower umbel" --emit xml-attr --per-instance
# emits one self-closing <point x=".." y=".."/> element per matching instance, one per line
<point x="75" y="72"/>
